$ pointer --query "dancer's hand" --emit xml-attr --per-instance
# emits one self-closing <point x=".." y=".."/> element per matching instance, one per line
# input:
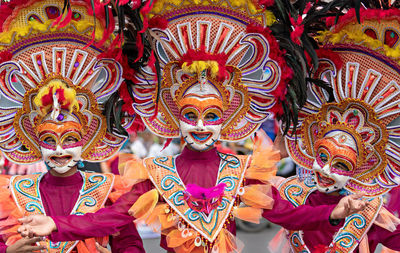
<point x="25" y="245"/>
<point x="349" y="205"/>
<point x="101" y="249"/>
<point x="36" y="225"/>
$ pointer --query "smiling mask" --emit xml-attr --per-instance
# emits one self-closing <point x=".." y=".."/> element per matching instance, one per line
<point x="60" y="132"/>
<point x="336" y="160"/>
<point x="201" y="121"/>
<point x="60" y="144"/>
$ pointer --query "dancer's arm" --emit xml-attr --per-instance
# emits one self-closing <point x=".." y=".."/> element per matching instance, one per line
<point x="105" y="221"/>
<point x="306" y="217"/>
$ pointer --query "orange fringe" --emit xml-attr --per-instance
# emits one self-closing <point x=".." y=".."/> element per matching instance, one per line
<point x="131" y="167"/>
<point x="9" y="213"/>
<point x="145" y="205"/>
<point x="258" y="196"/>
<point x="91" y="245"/>
<point x="227" y="242"/>
<point x="363" y="247"/>
<point x="182" y="241"/>
<point x="160" y="221"/>
<point x="387" y="250"/>
<point x="121" y="186"/>
<point x="264" y="158"/>
<point x="249" y="214"/>
<point x="280" y="243"/>
<point x="81" y="247"/>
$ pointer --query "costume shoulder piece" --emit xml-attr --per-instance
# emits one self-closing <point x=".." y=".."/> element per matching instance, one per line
<point x="348" y="237"/>
<point x="296" y="191"/>
<point x="361" y="64"/>
<point x="193" y="218"/>
<point x="52" y="68"/>
<point x="93" y="194"/>
<point x="209" y="219"/>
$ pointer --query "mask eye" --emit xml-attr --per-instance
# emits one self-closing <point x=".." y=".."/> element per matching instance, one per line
<point x="341" y="166"/>
<point x="70" y="140"/>
<point x="323" y="157"/>
<point x="50" y="141"/>
<point x="211" y="117"/>
<point x="191" y="116"/>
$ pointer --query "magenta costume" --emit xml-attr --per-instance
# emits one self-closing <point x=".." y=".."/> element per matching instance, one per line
<point x="346" y="139"/>
<point x="376" y="234"/>
<point x="59" y="195"/>
<point x="193" y="167"/>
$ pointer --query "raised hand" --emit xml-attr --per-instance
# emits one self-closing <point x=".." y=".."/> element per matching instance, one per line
<point x="349" y="205"/>
<point x="36" y="225"/>
<point x="26" y="245"/>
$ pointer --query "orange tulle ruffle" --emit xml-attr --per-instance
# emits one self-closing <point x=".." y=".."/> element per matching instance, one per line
<point x="131" y="167"/>
<point x="264" y="158"/>
<point x="144" y="205"/>
<point x="184" y="241"/>
<point x="9" y="213"/>
<point x="256" y="197"/>
<point x="121" y="186"/>
<point x="247" y="213"/>
<point x="87" y="246"/>
<point x="387" y="250"/>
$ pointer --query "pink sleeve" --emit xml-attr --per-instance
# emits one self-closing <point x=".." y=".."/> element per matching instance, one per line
<point x="297" y="218"/>
<point x="127" y="241"/>
<point x="389" y="239"/>
<point x="3" y="246"/>
<point x="106" y="221"/>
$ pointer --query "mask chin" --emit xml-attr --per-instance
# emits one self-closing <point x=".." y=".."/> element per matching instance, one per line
<point x="61" y="160"/>
<point x="326" y="181"/>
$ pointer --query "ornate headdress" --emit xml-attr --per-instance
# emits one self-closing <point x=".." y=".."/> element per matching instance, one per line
<point x="361" y="63"/>
<point x="50" y="70"/>
<point x="223" y="46"/>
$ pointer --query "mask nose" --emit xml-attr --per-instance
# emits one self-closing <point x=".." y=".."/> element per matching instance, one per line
<point x="326" y="169"/>
<point x="59" y="150"/>
<point x="200" y="124"/>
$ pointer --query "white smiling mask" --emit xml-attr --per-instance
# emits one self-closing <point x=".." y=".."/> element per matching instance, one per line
<point x="60" y="142"/>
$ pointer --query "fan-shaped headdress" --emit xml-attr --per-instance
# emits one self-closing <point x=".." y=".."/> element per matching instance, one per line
<point x="54" y="72"/>
<point x="361" y="63"/>
<point x="226" y="46"/>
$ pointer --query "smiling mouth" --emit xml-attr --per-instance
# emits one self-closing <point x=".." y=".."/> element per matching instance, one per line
<point x="61" y="160"/>
<point x="200" y="136"/>
<point x="324" y="181"/>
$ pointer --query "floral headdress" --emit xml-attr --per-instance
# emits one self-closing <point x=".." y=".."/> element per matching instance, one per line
<point x="225" y="42"/>
<point x="361" y="64"/>
<point x="51" y="68"/>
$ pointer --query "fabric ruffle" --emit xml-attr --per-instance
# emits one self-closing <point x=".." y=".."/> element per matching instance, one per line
<point x="184" y="239"/>
<point x="87" y="246"/>
<point x="264" y="159"/>
<point x="257" y="197"/>
<point x="181" y="238"/>
<point x="387" y="250"/>
<point x="132" y="168"/>
<point x="9" y="213"/>
<point x="121" y="186"/>
<point x="280" y="243"/>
